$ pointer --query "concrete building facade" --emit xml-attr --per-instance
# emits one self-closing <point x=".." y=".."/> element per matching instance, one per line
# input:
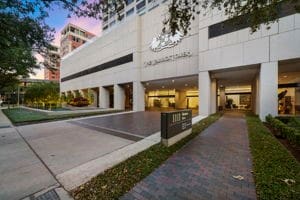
<point x="129" y="10"/>
<point x="215" y="66"/>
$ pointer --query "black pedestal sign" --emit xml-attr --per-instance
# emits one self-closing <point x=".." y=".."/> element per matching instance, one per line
<point x="175" y="123"/>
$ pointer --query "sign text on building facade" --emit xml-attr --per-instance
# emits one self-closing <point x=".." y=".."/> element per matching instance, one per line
<point x="168" y="58"/>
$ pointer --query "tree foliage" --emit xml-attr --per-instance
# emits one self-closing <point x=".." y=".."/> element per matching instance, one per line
<point x="42" y="93"/>
<point x="24" y="34"/>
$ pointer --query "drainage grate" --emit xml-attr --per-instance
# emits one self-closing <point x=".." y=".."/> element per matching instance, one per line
<point x="50" y="195"/>
<point x="4" y="126"/>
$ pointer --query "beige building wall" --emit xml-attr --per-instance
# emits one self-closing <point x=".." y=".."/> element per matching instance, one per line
<point x="264" y="48"/>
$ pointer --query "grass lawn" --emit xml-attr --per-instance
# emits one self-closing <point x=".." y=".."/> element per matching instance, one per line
<point x="118" y="180"/>
<point x="273" y="164"/>
<point x="21" y="116"/>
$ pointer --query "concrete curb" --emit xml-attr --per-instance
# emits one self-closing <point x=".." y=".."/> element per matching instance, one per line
<point x="51" y="193"/>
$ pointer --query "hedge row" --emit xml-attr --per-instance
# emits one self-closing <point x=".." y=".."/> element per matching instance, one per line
<point x="291" y="121"/>
<point x="283" y="130"/>
<point x="273" y="164"/>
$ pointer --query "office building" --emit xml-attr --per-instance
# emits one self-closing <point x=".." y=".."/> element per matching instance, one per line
<point x="217" y="65"/>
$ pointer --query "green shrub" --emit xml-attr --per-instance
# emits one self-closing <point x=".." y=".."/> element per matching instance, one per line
<point x="294" y="123"/>
<point x="291" y="121"/>
<point x="284" y="119"/>
<point x="79" y="102"/>
<point x="284" y="130"/>
<point x="272" y="164"/>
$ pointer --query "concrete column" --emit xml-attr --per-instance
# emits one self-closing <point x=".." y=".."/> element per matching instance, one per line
<point x="204" y="93"/>
<point x="257" y="96"/>
<point x="104" y="97"/>
<point x="213" y="94"/>
<point x="119" y="97"/>
<point x="95" y="97"/>
<point x="253" y="96"/>
<point x="268" y="89"/>
<point x="82" y="93"/>
<point x="138" y="96"/>
<point x="222" y="97"/>
<point x="74" y="93"/>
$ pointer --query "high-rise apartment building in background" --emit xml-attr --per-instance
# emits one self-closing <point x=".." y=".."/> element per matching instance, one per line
<point x="52" y="62"/>
<point x="72" y="37"/>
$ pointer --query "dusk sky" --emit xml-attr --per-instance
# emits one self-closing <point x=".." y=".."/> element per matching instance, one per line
<point x="58" y="18"/>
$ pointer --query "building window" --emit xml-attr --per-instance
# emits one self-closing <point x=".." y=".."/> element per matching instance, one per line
<point x="141" y="5"/>
<point x="112" y="23"/>
<point x="128" y="2"/>
<point x="242" y="21"/>
<point x="130" y="12"/>
<point x="121" y="7"/>
<point x="289" y="99"/>
<point x="105" y="27"/>
<point x="153" y="5"/>
<point x="112" y="14"/>
<point x="82" y="33"/>
<point x="105" y="19"/>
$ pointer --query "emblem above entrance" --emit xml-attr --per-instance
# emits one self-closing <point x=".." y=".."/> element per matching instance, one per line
<point x="165" y="40"/>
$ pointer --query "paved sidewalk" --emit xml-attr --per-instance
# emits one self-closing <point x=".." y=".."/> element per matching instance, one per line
<point x="22" y="174"/>
<point x="205" y="167"/>
<point x="4" y="122"/>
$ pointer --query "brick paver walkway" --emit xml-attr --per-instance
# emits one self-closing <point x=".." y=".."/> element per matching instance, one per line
<point x="141" y="124"/>
<point x="205" y="167"/>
